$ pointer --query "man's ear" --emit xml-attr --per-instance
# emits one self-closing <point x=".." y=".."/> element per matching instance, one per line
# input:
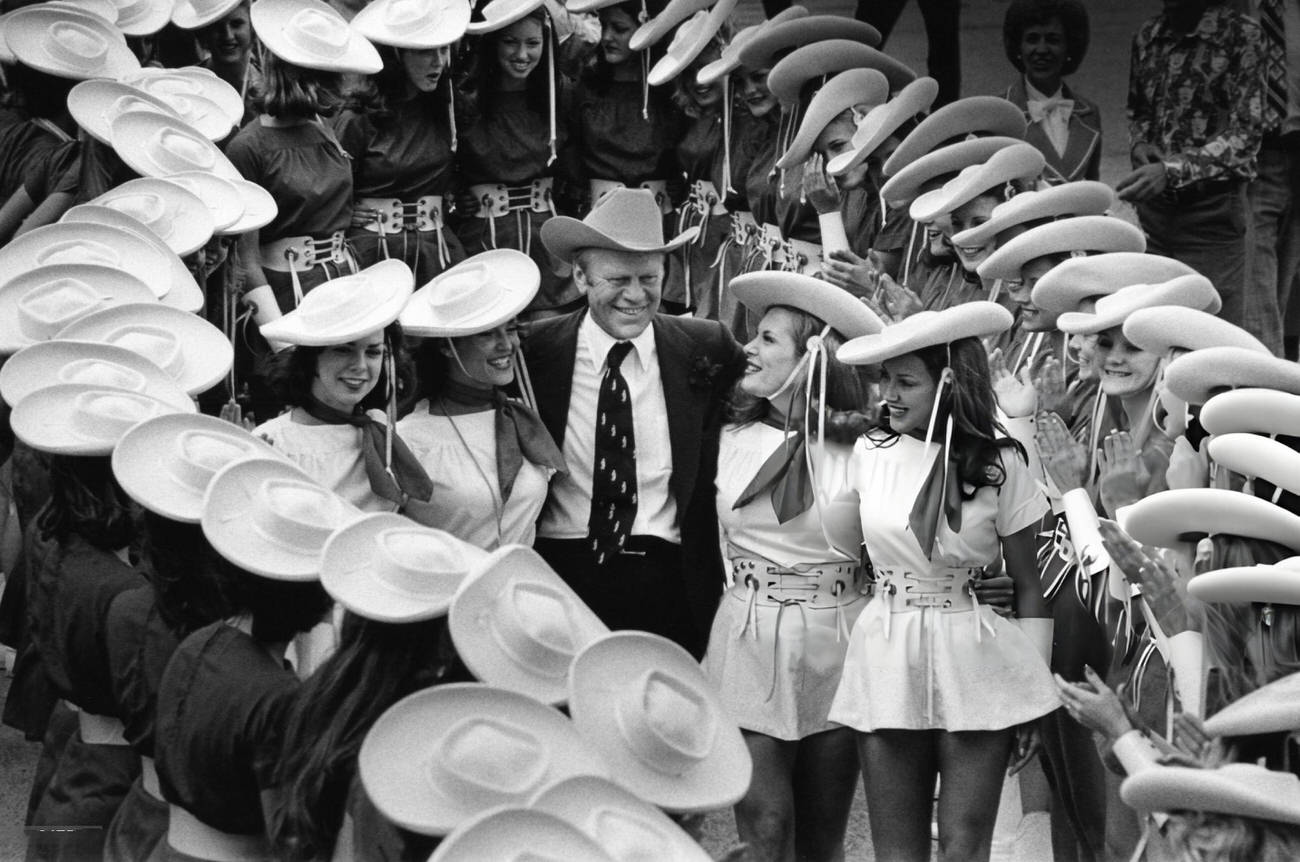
<point x="579" y="278"/>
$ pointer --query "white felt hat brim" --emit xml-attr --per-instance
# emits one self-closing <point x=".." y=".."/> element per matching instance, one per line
<point x="110" y="287"/>
<point x="842" y="92"/>
<point x="1078" y="198"/>
<point x="1068" y="284"/>
<point x="905" y="186"/>
<point x="190" y="81"/>
<point x="393" y="763"/>
<point x="32" y="34"/>
<point x="50" y="421"/>
<point x="182" y="220"/>
<point x="1272" y="708"/>
<point x="387" y="284"/>
<point x="1241" y="789"/>
<point x="1174" y="327"/>
<point x="1270" y="585"/>
<point x="883" y="121"/>
<point x="973" y="115"/>
<point x="144" y="18"/>
<point x="260" y="208"/>
<point x="136" y="134"/>
<point x="483" y="654"/>
<point x="515" y="280"/>
<point x="1197" y="376"/>
<point x="673" y="14"/>
<point x="275" y="22"/>
<point x="1017" y="162"/>
<point x="519" y="833"/>
<point x="187" y="16"/>
<point x="828" y="57"/>
<point x="730" y="59"/>
<point x="1191" y="291"/>
<point x="832" y="305"/>
<point x="1169" y="519"/>
<point x="692" y="37"/>
<point x="348" y="572"/>
<point x="146" y="461"/>
<point x="1252" y="411"/>
<point x="51" y="363"/>
<point x="1257" y="456"/>
<point x="927" y="329"/>
<point x="205" y="352"/>
<point x="499" y="14"/>
<point x="94" y="104"/>
<point x="1089" y="233"/>
<point x="220" y="197"/>
<point x="90" y="243"/>
<point x="801" y="31"/>
<point x="443" y="23"/>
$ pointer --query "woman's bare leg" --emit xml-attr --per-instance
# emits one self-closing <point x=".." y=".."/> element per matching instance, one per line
<point x="825" y="776"/>
<point x="972" y="765"/>
<point x="898" y="771"/>
<point x="765" y="817"/>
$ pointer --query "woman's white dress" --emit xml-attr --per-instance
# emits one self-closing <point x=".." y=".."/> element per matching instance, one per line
<point x="330" y="454"/>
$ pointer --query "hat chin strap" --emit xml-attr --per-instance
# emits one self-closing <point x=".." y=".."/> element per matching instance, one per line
<point x="551" y="48"/>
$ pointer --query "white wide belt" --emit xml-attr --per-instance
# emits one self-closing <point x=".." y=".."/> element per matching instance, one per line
<point x="817" y="585"/>
<point x="301" y="253"/>
<point x="393" y="215"/>
<point x="705" y="197"/>
<point x="98" y="729"/>
<point x="744" y="228"/>
<point x="600" y="188"/>
<point x="802" y="257"/>
<point x="190" y="835"/>
<point x="498" y="199"/>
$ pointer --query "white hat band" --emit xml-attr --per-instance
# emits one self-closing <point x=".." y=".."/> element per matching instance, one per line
<point x="108" y="413"/>
<point x="158" y="345"/>
<point x="414" y="562"/>
<point x="532" y="624"/>
<point x="295" y="515"/>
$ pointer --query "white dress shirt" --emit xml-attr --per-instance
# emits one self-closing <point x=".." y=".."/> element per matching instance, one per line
<point x="1052" y="113"/>
<point x="568" y="508"/>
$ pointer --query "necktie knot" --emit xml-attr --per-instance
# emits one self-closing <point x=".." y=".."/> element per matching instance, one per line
<point x="617" y="354"/>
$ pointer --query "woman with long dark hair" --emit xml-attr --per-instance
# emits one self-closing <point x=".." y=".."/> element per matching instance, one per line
<point x="934" y="684"/>
<point x="791" y="548"/>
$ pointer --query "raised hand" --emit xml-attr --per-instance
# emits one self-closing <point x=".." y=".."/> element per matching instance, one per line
<point x="1015" y="393"/>
<point x="819" y="189"/>
<point x="898" y="301"/>
<point x="1161" y="587"/>
<point x="1095" y="705"/>
<point x="1064" y="459"/>
<point x="843" y="268"/>
<point x="1124" y="476"/>
<point x="1049" y="384"/>
<point x="233" y="413"/>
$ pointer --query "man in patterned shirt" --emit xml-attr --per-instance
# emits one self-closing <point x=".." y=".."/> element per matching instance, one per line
<point x="1196" y="111"/>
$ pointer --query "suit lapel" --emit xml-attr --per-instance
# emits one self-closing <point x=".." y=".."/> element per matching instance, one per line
<point x="1084" y="138"/>
<point x="684" y="431"/>
<point x="551" y="352"/>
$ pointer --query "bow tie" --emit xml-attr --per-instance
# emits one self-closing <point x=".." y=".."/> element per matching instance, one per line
<point x="1041" y="109"/>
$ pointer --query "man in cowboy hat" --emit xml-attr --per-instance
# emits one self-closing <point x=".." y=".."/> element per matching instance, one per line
<point x="634" y="398"/>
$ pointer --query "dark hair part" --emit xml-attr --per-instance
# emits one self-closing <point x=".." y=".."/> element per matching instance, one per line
<point x="177" y="560"/>
<point x="1023" y="14"/>
<point x="292" y="91"/>
<point x="290" y="372"/>
<point x="280" y="609"/>
<point x="376" y="665"/>
<point x="483" y="79"/>
<point x="846" y="385"/>
<point x="976" y="445"/>
<point x="86" y="500"/>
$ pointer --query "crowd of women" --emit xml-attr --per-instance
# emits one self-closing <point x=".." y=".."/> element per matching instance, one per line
<point x="991" y="492"/>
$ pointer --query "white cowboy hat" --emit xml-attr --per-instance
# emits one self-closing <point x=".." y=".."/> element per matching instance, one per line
<point x="730" y="59"/>
<point x="817" y="60"/>
<point x="519" y="833"/>
<point x="1252" y="411"/>
<point x="220" y="196"/>
<point x="671" y="15"/>
<point x="196" y="14"/>
<point x="973" y="115"/>
<point x="1077" y="235"/>
<point x="1079" y="198"/>
<point x="690" y="40"/>
<point x="105" y="9"/>
<point x="1168" y="519"/>
<point x="626" y="825"/>
<point x="166" y="463"/>
<point x="270" y="518"/>
<point x="313" y="35"/>
<point x="883" y="121"/>
<point x="177" y="217"/>
<point x="644" y="703"/>
<point x="87" y="243"/>
<point x="476" y="295"/>
<point x="499" y="14"/>
<point x="142" y="17"/>
<point x="83" y="419"/>
<point x="416" y="24"/>
<point x="38" y="304"/>
<point x="841" y="93"/>
<point x="517" y="625"/>
<point x="796" y="32"/>
<point x="1022" y="162"/>
<point x="183" y="292"/>
<point x="927" y="329"/>
<point x="386" y="567"/>
<point x="94" y="104"/>
<point x="446" y="754"/>
<point x="624" y="220"/>
<point x="194" y="352"/>
<point x="1175" y="327"/>
<point x="1196" y="376"/>
<point x="260" y="208"/>
<point x="156" y="145"/>
<point x="841" y="310"/>
<point x="942" y="164"/>
<point x="1242" y="789"/>
<point x="1191" y="291"/>
<point x="1271" y="708"/>
<point x="1069" y="284"/>
<point x="67" y="43"/>
<point x="1257" y="457"/>
<point x="1277" y="584"/>
<point x="53" y="363"/>
<point x="193" y="82"/>
<point x="346" y="308"/>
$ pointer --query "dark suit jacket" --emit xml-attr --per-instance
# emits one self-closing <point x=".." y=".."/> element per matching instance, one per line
<point x="1082" y="159"/>
<point x="698" y="360"/>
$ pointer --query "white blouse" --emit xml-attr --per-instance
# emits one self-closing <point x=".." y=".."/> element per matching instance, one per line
<point x="330" y="454"/>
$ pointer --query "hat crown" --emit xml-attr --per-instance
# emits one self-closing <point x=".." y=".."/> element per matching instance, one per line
<point x="79" y="251"/>
<point x="145" y="207"/>
<point x="160" y="346"/>
<point x="488" y="758"/>
<point x="411" y="13"/>
<point x="317" y="31"/>
<point x="49" y="307"/>
<point x="126" y="102"/>
<point x="532" y="622"/>
<point x="177" y="150"/>
<point x="110" y="413"/>
<point x="340" y="299"/>
<point x="627" y="835"/>
<point x="201" y="454"/>
<point x="75" y="42"/>
<point x="689" y="31"/>
<point x="462" y="290"/>
<point x="667" y="724"/>
<point x="102" y="374"/>
<point x="630" y="217"/>
<point x="129" y="10"/>
<point x="418" y="561"/>
<point x="296" y="514"/>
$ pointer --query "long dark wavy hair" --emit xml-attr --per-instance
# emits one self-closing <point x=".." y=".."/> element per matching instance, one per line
<point x="978" y="439"/>
<point x="291" y="91"/>
<point x="189" y="594"/>
<point x="86" y="500"/>
<point x="482" y="80"/>
<point x="847" y="387"/>
<point x="290" y="372"/>
<point x="376" y="665"/>
<point x="376" y="94"/>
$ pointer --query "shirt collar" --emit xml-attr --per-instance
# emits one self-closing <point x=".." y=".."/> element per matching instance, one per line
<point x="599" y="342"/>
<point x="1033" y="95"/>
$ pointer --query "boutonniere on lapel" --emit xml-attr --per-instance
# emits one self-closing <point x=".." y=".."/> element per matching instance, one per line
<point x="705" y="374"/>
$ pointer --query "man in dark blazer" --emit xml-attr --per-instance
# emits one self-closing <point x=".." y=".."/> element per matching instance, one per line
<point x="632" y="527"/>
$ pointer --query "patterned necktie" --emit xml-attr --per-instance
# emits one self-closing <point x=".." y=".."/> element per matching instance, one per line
<point x="613" y="476"/>
<point x="1273" y="30"/>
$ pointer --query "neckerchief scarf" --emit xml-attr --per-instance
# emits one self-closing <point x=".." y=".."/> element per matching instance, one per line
<point x="519" y="432"/>
<point x="405" y="480"/>
<point x="785" y="474"/>
<point x="940" y="493"/>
